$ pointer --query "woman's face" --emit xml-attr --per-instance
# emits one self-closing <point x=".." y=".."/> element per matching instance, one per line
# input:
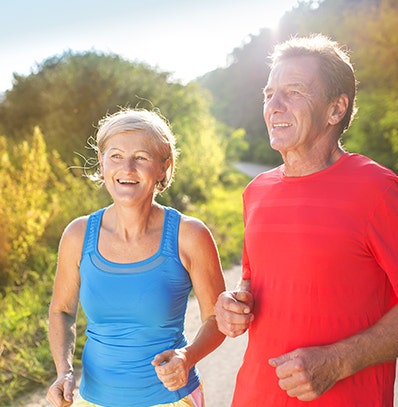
<point x="131" y="167"/>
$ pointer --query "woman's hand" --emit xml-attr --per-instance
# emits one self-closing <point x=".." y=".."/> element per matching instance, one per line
<point x="60" y="394"/>
<point x="172" y="368"/>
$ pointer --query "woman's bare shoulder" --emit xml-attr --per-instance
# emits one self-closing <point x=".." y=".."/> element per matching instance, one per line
<point x="75" y="231"/>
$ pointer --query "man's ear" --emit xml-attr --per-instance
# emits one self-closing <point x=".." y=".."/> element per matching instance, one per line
<point x="338" y="109"/>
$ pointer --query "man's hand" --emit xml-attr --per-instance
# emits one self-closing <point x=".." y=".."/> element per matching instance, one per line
<point x="234" y="312"/>
<point x="307" y="373"/>
<point x="60" y="394"/>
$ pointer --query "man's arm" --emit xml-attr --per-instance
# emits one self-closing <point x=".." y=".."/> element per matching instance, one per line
<point x="307" y="373"/>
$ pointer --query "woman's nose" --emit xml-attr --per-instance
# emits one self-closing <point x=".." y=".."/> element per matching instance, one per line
<point x="130" y="165"/>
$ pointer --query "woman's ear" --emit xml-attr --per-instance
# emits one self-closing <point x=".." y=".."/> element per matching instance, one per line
<point x="338" y="109"/>
<point x="164" y="169"/>
<point x="100" y="161"/>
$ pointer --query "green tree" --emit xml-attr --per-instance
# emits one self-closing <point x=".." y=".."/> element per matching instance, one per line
<point x="202" y="158"/>
<point x="374" y="133"/>
<point x="236" y="144"/>
<point x="73" y="195"/>
<point x="69" y="94"/>
<point x="238" y="97"/>
<point x="366" y="27"/>
<point x="374" y="41"/>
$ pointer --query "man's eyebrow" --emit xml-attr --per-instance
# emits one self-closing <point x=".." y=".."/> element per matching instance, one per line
<point x="298" y="85"/>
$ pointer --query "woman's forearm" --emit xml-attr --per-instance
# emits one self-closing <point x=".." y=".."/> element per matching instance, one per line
<point x="62" y="338"/>
<point x="206" y="340"/>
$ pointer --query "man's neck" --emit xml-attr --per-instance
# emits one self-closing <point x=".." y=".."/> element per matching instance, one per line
<point x="299" y="165"/>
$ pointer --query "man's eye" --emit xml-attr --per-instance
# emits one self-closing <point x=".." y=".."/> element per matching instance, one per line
<point x="267" y="97"/>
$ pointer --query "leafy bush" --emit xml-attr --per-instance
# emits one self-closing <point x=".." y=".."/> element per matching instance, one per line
<point x="32" y="197"/>
<point x="25" y="203"/>
<point x="25" y="358"/>
<point x="223" y="216"/>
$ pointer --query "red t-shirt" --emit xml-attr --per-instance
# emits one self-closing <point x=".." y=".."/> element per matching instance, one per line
<point x="321" y="252"/>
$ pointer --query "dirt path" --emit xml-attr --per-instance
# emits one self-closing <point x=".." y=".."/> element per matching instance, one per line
<point x="218" y="370"/>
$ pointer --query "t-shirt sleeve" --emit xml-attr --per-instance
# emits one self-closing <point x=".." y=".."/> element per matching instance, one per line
<point x="246" y="273"/>
<point x="383" y="233"/>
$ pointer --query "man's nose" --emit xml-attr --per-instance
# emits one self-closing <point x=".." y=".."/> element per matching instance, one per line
<point x="275" y="103"/>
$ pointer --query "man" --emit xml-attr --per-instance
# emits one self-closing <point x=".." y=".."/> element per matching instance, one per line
<point x="320" y="261"/>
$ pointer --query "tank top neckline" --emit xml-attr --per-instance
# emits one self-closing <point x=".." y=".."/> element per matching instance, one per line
<point x="150" y="259"/>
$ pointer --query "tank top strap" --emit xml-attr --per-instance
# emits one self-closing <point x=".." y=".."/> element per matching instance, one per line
<point x="92" y="232"/>
<point x="170" y="232"/>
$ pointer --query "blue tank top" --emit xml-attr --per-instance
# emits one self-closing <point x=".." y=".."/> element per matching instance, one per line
<point x="134" y="311"/>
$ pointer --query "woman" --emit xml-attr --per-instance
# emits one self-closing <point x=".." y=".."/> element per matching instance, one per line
<point x="133" y="265"/>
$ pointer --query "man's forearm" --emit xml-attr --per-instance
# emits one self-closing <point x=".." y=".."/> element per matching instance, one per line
<point x="375" y="345"/>
<point x="244" y="285"/>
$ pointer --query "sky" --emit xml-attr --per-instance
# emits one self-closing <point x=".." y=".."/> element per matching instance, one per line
<point x="185" y="37"/>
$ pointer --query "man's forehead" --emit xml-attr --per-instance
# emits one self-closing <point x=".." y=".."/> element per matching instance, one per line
<point x="297" y="70"/>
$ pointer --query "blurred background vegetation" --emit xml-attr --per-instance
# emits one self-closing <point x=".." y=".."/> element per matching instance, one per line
<point x="48" y="116"/>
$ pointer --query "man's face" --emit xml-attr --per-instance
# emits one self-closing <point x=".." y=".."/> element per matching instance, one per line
<point x="296" y="110"/>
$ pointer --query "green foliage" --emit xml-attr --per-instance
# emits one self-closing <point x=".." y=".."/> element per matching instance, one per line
<point x="374" y="133"/>
<point x="366" y="27"/>
<point x="69" y="94"/>
<point x="374" y="41"/>
<point x="238" y="96"/>
<point x="75" y="196"/>
<point x="202" y="156"/>
<point x="223" y="215"/>
<point x="25" y="359"/>
<point x="235" y="143"/>
<point x="35" y="205"/>
<point x="25" y="204"/>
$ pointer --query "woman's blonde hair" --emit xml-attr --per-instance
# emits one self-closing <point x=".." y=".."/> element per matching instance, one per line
<point x="152" y="124"/>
